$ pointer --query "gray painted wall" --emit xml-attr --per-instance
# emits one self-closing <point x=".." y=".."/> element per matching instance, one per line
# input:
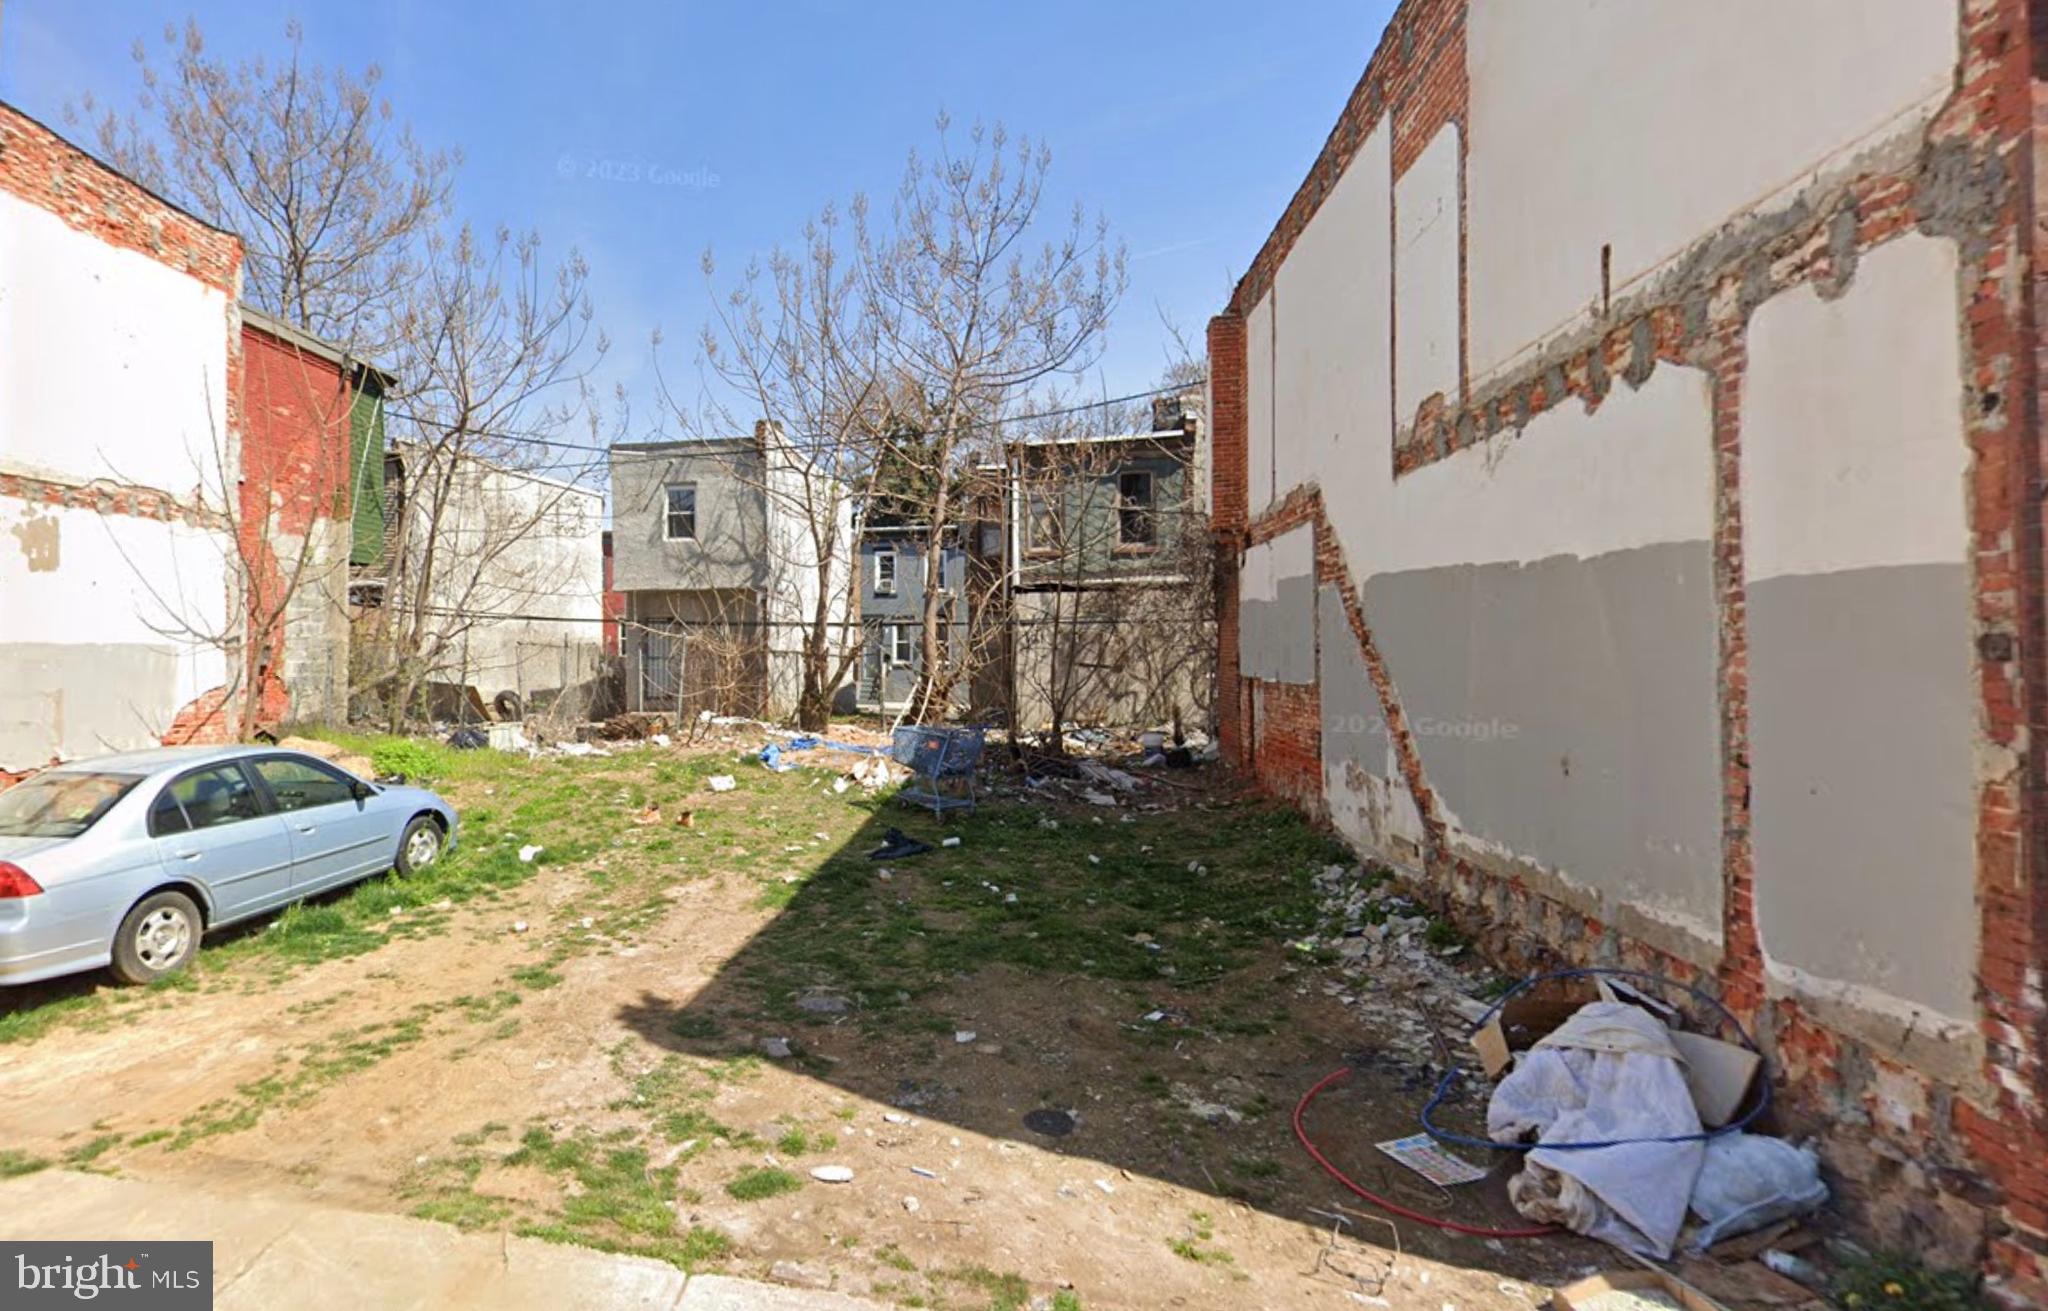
<point x="1354" y="725"/>
<point x="1276" y="638"/>
<point x="1567" y="709"/>
<point x="1861" y="712"/>
<point x="730" y="549"/>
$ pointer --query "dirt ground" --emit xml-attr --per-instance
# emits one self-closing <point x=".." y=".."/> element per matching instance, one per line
<point x="646" y="1037"/>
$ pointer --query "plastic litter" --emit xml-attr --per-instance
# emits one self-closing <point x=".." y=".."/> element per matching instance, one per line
<point x="721" y="782"/>
<point x="1748" y="1181"/>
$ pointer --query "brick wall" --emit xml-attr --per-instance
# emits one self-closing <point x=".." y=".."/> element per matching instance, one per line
<point x="293" y="525"/>
<point x="1953" y="1167"/>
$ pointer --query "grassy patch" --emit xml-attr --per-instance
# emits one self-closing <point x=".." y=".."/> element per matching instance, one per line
<point x="15" y="1163"/>
<point x="761" y="1183"/>
<point x="83" y="1155"/>
<point x="1005" y="1292"/>
<point x="303" y="1076"/>
<point x="1189" y="1246"/>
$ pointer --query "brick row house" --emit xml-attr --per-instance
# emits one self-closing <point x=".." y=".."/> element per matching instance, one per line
<point x="172" y="465"/>
<point x="1628" y="481"/>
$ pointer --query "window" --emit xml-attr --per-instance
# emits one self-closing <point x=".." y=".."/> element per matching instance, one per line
<point x="1041" y="524"/>
<point x="902" y="651"/>
<point x="60" y="804"/>
<point x="208" y="798"/>
<point x="885" y="573"/>
<point x="302" y="784"/>
<point x="681" y="520"/>
<point x="1135" y="525"/>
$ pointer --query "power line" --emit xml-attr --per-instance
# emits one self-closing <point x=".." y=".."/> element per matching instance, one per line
<point x="531" y="439"/>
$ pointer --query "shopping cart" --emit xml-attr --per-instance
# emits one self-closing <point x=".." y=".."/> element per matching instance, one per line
<point x="943" y="762"/>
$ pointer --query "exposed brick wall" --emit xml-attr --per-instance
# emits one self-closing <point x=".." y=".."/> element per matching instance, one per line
<point x="1954" y="1168"/>
<point x="294" y="507"/>
<point x="44" y="169"/>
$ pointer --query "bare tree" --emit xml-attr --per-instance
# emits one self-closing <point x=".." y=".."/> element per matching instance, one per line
<point x="974" y="312"/>
<point x="497" y="350"/>
<point x="794" y="350"/>
<point x="331" y="198"/>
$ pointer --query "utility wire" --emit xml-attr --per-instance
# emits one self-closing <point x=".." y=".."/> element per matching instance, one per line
<point x="656" y="456"/>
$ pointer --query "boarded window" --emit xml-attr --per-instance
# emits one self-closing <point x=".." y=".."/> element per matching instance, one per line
<point x="1136" y="524"/>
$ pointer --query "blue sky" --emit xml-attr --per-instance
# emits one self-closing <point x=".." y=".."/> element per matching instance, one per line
<point x="1188" y="125"/>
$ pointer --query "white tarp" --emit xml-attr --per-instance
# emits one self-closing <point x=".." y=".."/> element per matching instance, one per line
<point x="1608" y="1074"/>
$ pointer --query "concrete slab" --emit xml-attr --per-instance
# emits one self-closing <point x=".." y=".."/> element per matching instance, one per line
<point x="270" y="1251"/>
<point x="719" y="1293"/>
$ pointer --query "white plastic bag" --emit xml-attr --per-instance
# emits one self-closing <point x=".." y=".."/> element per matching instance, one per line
<point x="1608" y="1074"/>
<point x="1749" y="1181"/>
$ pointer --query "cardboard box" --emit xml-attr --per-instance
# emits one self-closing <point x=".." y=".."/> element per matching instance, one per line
<point x="1527" y="1017"/>
<point x="1588" y="1294"/>
<point x="1718" y="1073"/>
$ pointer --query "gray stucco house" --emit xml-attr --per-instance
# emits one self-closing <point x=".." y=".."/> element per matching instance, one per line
<point x="716" y="563"/>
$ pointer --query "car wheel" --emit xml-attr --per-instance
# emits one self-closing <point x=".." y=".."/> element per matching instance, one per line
<point x="420" y="846"/>
<point x="157" y="938"/>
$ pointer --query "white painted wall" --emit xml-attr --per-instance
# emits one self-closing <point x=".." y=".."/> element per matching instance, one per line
<point x="795" y="497"/>
<point x="1259" y="404"/>
<point x="1853" y="453"/>
<point x="1586" y="130"/>
<point x="1426" y="352"/>
<point x="95" y="652"/>
<point x="112" y="365"/>
<point x="1334" y="355"/>
<point x="527" y="550"/>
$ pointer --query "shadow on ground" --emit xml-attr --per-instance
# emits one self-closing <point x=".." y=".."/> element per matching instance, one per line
<point x="1116" y="986"/>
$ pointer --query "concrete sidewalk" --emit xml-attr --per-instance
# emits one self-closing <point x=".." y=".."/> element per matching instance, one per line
<point x="270" y="1252"/>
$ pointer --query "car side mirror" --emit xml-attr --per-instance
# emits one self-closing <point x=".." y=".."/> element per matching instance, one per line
<point x="360" y="790"/>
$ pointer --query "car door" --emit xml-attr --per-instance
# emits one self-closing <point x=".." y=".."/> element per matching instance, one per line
<point x="213" y="825"/>
<point x="336" y="835"/>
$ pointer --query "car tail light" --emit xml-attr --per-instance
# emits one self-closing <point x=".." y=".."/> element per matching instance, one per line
<point x="15" y="882"/>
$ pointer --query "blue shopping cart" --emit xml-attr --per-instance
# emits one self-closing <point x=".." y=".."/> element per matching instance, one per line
<point x="943" y="762"/>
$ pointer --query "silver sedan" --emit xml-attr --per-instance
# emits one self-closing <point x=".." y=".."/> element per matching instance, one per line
<point x="126" y="861"/>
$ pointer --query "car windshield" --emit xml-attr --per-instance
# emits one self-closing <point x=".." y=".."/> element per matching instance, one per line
<point x="60" y="805"/>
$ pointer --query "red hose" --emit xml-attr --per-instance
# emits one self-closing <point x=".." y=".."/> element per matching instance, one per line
<point x="1301" y="1108"/>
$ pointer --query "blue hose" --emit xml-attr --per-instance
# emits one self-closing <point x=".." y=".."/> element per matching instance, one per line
<point x="1450" y="1076"/>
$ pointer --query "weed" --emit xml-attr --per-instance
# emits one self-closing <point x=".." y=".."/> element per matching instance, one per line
<point x="14" y="1163"/>
<point x="760" y="1183"/>
<point x="86" y="1153"/>
<point x="1892" y="1282"/>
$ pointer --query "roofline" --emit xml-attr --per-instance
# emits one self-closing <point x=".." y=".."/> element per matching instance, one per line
<point x="688" y="445"/>
<point x="105" y="167"/>
<point x="1340" y="147"/>
<point x="312" y="345"/>
<point x="401" y="450"/>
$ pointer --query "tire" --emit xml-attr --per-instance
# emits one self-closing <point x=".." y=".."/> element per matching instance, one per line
<point x="420" y="845"/>
<point x="157" y="938"/>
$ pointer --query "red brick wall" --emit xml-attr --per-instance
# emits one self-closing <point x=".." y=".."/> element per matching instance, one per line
<point x="44" y="169"/>
<point x="295" y="477"/>
<point x="1958" y="1170"/>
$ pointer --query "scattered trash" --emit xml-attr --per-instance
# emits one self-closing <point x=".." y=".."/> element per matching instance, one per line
<point x="898" y="845"/>
<point x="519" y="926"/>
<point x="469" y="739"/>
<point x="651" y="814"/>
<point x="659" y="739"/>
<point x="686" y="819"/>
<point x="832" y="1174"/>
<point x="1105" y="1186"/>
<point x="923" y="1173"/>
<point x="1796" y="1268"/>
<point x="1116" y="779"/>
<point x="1749" y="1181"/>
<point x="721" y="782"/>
<point x="1422" y="1154"/>
<point x="840" y="784"/>
<point x="1095" y="798"/>
<point x="1094" y="859"/>
<point x="1053" y="1124"/>
<point x="824" y="1004"/>
<point x="771" y="756"/>
<point x="890" y="1117"/>
<point x="527" y="853"/>
<point x="776" y="1049"/>
<point x="910" y="1204"/>
<point x="587" y="922"/>
<point x="1632" y="1193"/>
<point x="964" y="1036"/>
<point x="949" y="841"/>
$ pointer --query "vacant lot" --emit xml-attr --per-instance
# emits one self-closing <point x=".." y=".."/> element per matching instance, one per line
<point x="1059" y="1058"/>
